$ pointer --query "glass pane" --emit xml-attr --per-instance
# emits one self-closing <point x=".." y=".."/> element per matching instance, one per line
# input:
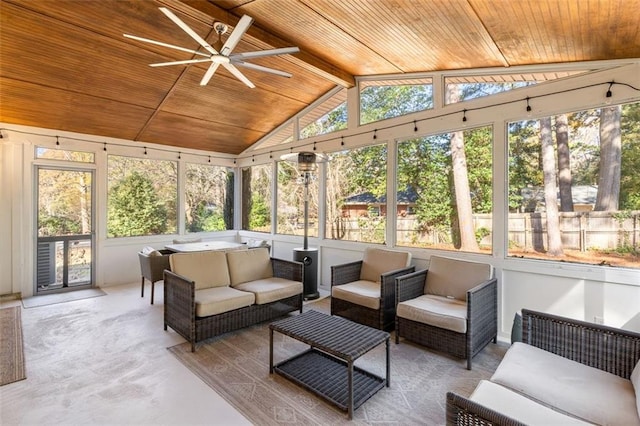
<point x="61" y="154"/>
<point x="444" y="194"/>
<point x="79" y="262"/>
<point x="142" y="197"/>
<point x="256" y="198"/>
<point x="290" y="203"/>
<point x="380" y="100"/>
<point x="329" y="116"/>
<point x="574" y="187"/>
<point x="64" y="202"/>
<point x="356" y="194"/>
<point x="208" y="198"/>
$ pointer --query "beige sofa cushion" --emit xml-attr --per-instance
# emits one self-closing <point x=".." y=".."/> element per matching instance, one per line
<point x="518" y="407"/>
<point x="376" y="262"/>
<point x="576" y="389"/>
<point x="207" y="268"/>
<point x="438" y="311"/>
<point x="216" y="300"/>
<point x="635" y="381"/>
<point x="271" y="289"/>
<point x="362" y="292"/>
<point x="454" y="277"/>
<point x="249" y="265"/>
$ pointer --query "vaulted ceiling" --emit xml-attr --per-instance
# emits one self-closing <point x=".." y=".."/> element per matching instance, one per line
<point x="65" y="64"/>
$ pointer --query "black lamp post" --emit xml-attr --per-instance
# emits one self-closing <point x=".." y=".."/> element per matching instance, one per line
<point x="307" y="164"/>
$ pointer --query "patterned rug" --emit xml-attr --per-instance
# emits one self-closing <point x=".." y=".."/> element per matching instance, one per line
<point x="236" y="365"/>
<point x="11" y="349"/>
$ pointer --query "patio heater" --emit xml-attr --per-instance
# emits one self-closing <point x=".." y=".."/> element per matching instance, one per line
<point x="307" y="164"/>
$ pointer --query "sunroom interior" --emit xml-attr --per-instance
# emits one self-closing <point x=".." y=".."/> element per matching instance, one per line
<point x="89" y="102"/>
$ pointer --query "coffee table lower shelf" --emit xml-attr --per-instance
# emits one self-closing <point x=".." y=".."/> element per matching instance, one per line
<point x="327" y="377"/>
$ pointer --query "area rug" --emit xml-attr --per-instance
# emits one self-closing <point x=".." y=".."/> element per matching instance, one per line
<point x="11" y="350"/>
<point x="236" y="366"/>
<point x="52" y="299"/>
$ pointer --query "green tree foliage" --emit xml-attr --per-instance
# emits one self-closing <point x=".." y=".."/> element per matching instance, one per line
<point x="332" y="121"/>
<point x="256" y="197"/>
<point x="382" y="102"/>
<point x="134" y="208"/>
<point x="206" y="197"/>
<point x="630" y="177"/>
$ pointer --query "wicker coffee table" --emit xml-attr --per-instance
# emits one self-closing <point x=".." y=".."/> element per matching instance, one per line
<point x="327" y="369"/>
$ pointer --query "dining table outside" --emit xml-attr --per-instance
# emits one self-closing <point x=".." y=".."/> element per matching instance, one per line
<point x="204" y="246"/>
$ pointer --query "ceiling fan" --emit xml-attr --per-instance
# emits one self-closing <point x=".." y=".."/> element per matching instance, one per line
<point x="220" y="54"/>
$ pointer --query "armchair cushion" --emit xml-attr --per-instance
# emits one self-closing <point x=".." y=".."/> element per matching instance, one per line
<point x="518" y="407"/>
<point x="438" y="311"/>
<point x="216" y="300"/>
<point x="249" y="265"/>
<point x="271" y="289"/>
<point x="362" y="292"/>
<point x="377" y="261"/>
<point x="582" y="391"/>
<point x="454" y="277"/>
<point x="207" y="268"/>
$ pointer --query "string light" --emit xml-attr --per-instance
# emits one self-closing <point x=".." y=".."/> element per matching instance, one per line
<point x="179" y="155"/>
<point x="375" y="136"/>
<point x="528" y="106"/>
<point x="342" y="140"/>
<point x="57" y="141"/>
<point x="145" y="150"/>
<point x="314" y="146"/>
<point x="209" y="159"/>
<point x="464" y="115"/>
<point x="415" y="126"/>
<point x="609" y="94"/>
<point x="270" y="155"/>
<point x="105" y="147"/>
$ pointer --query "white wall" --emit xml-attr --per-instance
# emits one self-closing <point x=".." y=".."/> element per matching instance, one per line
<point x="579" y="291"/>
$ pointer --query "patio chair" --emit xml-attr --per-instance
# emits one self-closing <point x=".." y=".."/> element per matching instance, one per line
<point x="364" y="291"/>
<point x="450" y="307"/>
<point x="152" y="265"/>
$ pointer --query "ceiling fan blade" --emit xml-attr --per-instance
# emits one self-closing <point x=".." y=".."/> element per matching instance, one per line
<point x="159" y="43"/>
<point x="262" y="53"/>
<point x="233" y="70"/>
<point x="261" y="68"/>
<point x="236" y="35"/>
<point x="188" y="30"/>
<point x="189" y="61"/>
<point x="207" y="75"/>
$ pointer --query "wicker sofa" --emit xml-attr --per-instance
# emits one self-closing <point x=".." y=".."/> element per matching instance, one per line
<point x="210" y="293"/>
<point x="564" y="372"/>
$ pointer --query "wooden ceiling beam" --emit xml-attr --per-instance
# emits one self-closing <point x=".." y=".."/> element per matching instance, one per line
<point x="208" y="13"/>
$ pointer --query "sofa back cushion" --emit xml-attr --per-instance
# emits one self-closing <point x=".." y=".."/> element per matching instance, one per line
<point x="207" y="268"/>
<point x="249" y="265"/>
<point x="452" y="277"/>
<point x="376" y="262"/>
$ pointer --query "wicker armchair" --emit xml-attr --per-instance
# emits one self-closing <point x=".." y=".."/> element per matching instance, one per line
<point x="364" y="291"/>
<point x="152" y="266"/>
<point x="609" y="349"/>
<point x="450" y="307"/>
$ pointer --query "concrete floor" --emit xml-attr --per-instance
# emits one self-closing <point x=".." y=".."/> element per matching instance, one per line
<point x="103" y="360"/>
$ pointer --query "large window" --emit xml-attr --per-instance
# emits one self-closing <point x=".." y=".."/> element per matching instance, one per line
<point x="208" y="198"/>
<point x="256" y="198"/>
<point x="356" y="194"/>
<point x="291" y="196"/>
<point x="574" y="187"/>
<point x="142" y="196"/>
<point x="380" y="100"/>
<point x="444" y="191"/>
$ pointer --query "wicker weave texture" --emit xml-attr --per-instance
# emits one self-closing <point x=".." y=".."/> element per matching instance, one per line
<point x="180" y="307"/>
<point x="383" y="318"/>
<point x="610" y="349"/>
<point x="482" y="319"/>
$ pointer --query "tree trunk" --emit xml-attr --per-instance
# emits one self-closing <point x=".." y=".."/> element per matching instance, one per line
<point x="564" y="164"/>
<point x="610" y="159"/>
<point x="246" y="197"/>
<point x="554" y="242"/>
<point x="461" y="183"/>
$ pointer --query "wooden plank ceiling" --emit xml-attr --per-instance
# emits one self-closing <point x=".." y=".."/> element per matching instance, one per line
<point x="64" y="64"/>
